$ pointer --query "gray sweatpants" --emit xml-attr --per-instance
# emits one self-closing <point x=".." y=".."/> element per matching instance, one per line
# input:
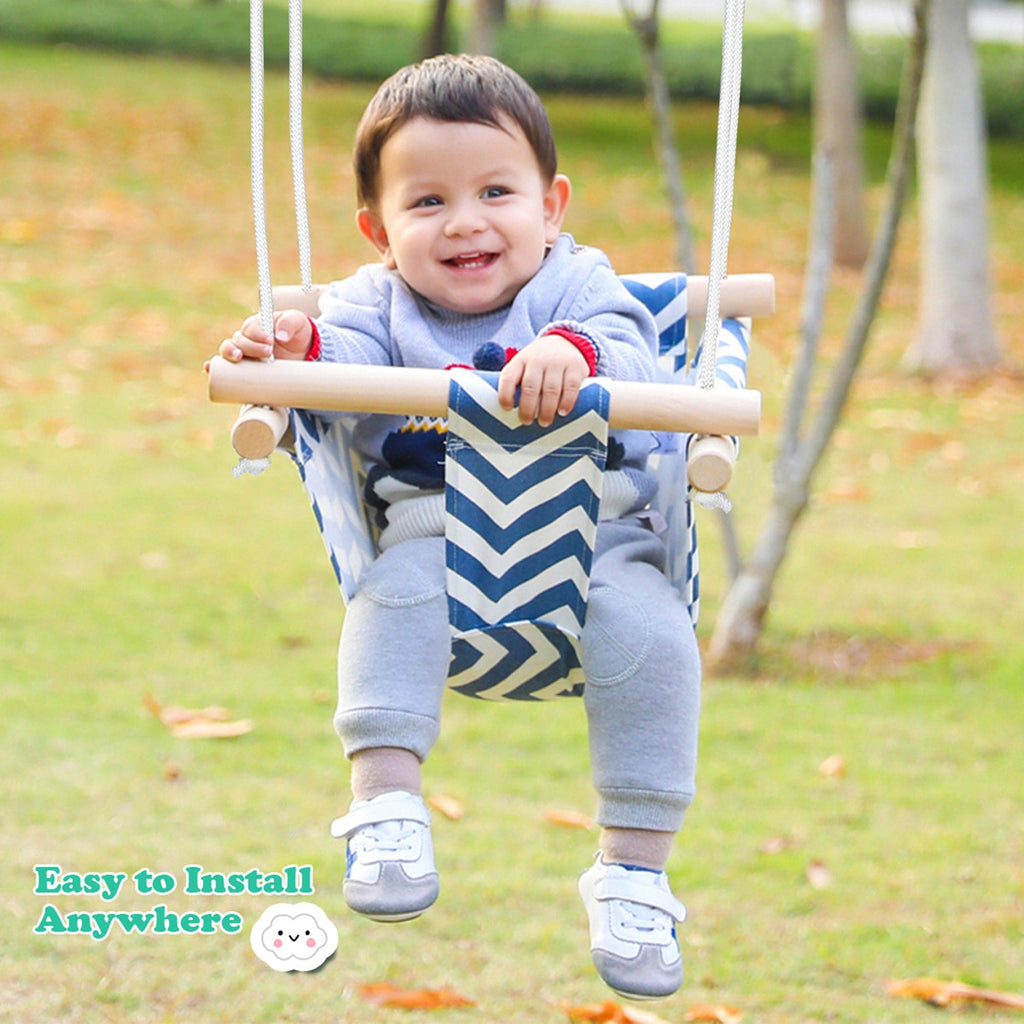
<point x="640" y="659"/>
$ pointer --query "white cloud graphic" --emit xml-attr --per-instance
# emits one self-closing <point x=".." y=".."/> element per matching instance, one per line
<point x="294" y="937"/>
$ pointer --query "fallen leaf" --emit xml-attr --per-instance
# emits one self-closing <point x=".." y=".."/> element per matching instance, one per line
<point x="385" y="994"/>
<point x="447" y="805"/>
<point x="631" y="1015"/>
<point x="895" y="419"/>
<point x="206" y="729"/>
<point x="971" y="486"/>
<point x="952" y="451"/>
<point x="79" y="358"/>
<point x="609" y="1012"/>
<point x="70" y="437"/>
<point x="714" y="1013"/>
<point x="19" y="231"/>
<point x="922" y="441"/>
<point x="598" y="1013"/>
<point x="818" y="874"/>
<point x="914" y="540"/>
<point x="776" y="844"/>
<point x="833" y="767"/>
<point x="942" y="993"/>
<point x="847" y="491"/>
<point x="569" y="819"/>
<point x="197" y="723"/>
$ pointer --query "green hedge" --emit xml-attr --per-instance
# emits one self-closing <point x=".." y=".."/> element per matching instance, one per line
<point x="573" y="55"/>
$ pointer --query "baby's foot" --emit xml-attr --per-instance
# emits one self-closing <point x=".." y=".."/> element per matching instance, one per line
<point x="633" y="942"/>
<point x="390" y="874"/>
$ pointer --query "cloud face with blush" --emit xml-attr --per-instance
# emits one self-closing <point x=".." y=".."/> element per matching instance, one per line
<point x="294" y="937"/>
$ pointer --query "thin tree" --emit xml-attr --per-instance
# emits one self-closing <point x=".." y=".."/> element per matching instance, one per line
<point x="838" y="117"/>
<point x="647" y="30"/>
<point x="955" y="335"/>
<point x="488" y="17"/>
<point x="436" y="39"/>
<point x="741" y="619"/>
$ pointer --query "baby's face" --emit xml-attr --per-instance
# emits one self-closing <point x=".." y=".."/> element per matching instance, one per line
<point x="465" y="214"/>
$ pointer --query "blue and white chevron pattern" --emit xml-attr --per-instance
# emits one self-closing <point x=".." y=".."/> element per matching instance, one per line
<point x="521" y="520"/>
<point x="731" y="355"/>
<point x="538" y="656"/>
<point x="329" y="467"/>
<point x="665" y="297"/>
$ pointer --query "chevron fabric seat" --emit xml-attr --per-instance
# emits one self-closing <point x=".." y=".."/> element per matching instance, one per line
<point x="521" y="512"/>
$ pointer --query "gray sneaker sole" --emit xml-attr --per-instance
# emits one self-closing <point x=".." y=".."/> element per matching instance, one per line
<point x="645" y="977"/>
<point x="395" y="897"/>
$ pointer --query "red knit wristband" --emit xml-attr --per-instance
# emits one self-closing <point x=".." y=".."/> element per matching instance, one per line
<point x="583" y="344"/>
<point x="314" y="348"/>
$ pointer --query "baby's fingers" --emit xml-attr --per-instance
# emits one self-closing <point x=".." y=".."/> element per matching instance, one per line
<point x="244" y="346"/>
<point x="229" y="350"/>
<point x="250" y="341"/>
<point x="292" y="332"/>
<point x="508" y="381"/>
<point x="239" y="347"/>
<point x="540" y="389"/>
<point x="571" y="384"/>
<point x="550" y="397"/>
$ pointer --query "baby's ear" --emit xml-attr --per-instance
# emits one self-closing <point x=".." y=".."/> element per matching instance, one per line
<point x="556" y="202"/>
<point x="371" y="227"/>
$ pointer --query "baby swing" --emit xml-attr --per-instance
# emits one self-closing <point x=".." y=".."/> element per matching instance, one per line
<point x="521" y="501"/>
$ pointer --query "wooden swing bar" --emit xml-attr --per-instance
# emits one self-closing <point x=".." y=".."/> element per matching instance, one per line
<point x="411" y="391"/>
<point x="740" y="295"/>
<point x="390" y="390"/>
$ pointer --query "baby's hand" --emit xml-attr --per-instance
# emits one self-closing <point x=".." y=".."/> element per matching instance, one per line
<point x="548" y="373"/>
<point x="293" y="336"/>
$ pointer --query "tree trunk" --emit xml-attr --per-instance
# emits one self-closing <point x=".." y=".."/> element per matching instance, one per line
<point x="436" y="40"/>
<point x="659" y="102"/>
<point x="741" y="619"/>
<point x="488" y="15"/>
<point x="955" y="333"/>
<point x="838" y="117"/>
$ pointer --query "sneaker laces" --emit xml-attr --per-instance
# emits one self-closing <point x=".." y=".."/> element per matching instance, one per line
<point x="387" y="837"/>
<point x="643" y="924"/>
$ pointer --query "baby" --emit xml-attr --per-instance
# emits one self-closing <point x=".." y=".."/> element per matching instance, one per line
<point x="460" y="195"/>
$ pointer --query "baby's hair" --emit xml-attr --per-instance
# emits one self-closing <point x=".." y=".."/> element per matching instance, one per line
<point x="476" y="90"/>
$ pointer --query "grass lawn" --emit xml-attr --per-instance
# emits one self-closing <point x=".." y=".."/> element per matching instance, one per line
<point x="134" y="564"/>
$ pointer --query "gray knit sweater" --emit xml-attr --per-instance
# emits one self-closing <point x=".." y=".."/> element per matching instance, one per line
<point x="374" y="317"/>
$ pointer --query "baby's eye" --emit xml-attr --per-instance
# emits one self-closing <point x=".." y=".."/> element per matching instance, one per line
<point x="426" y="202"/>
<point x="496" y="192"/>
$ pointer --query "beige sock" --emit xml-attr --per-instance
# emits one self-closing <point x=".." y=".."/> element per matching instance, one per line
<point x="639" y="846"/>
<point x="379" y="770"/>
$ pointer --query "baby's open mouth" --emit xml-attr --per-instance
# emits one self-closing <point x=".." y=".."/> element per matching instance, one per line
<point x="472" y="260"/>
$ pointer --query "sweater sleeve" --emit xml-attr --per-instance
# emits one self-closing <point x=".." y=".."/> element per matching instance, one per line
<point x="598" y="306"/>
<point x="353" y="322"/>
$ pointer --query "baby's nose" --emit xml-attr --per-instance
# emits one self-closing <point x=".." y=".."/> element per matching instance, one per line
<point x="464" y="219"/>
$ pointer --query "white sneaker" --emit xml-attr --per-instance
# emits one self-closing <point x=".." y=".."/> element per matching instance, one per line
<point x="390" y="874"/>
<point x="633" y="942"/>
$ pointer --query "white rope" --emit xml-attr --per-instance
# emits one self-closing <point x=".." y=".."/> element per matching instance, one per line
<point x="259" y="198"/>
<point x="259" y="202"/>
<point x="725" y="172"/>
<point x="716" y="500"/>
<point x="250" y="467"/>
<point x="295" y="133"/>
